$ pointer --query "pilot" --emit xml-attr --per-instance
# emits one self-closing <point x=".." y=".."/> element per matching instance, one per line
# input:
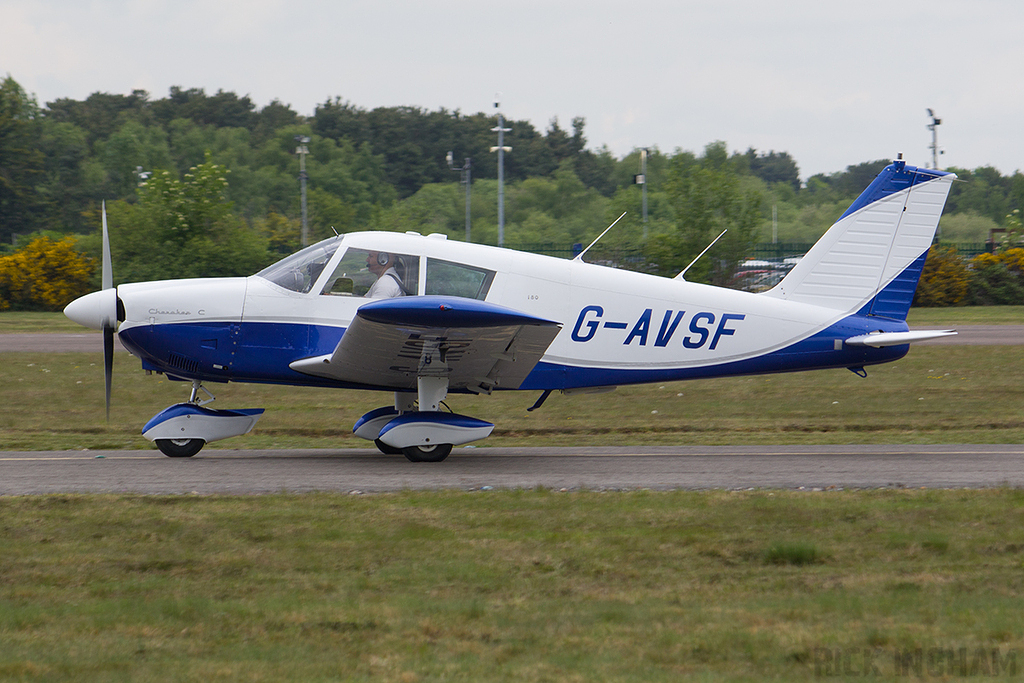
<point x="389" y="283"/>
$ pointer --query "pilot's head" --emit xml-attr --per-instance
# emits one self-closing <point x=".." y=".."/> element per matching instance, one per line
<point x="378" y="261"/>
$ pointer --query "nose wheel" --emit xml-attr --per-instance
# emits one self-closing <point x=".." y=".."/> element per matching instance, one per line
<point x="180" y="448"/>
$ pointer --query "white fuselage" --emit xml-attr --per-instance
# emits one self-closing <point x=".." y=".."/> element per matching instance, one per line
<point x="617" y="326"/>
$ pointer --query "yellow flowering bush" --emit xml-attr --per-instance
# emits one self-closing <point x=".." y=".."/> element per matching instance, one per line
<point x="944" y="280"/>
<point x="45" y="275"/>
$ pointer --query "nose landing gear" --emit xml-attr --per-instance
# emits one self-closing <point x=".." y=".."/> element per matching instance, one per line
<point x="182" y="430"/>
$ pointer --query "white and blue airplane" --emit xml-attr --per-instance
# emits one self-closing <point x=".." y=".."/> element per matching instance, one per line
<point x="445" y="316"/>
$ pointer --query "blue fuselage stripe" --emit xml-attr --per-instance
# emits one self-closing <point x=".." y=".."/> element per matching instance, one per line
<point x="261" y="352"/>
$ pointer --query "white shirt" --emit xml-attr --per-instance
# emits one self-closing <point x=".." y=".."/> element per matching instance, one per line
<point x="386" y="286"/>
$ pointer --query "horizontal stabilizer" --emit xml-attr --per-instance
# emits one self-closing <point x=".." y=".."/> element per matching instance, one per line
<point x="880" y="339"/>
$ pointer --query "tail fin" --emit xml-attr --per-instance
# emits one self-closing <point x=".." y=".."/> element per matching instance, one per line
<point x="870" y="260"/>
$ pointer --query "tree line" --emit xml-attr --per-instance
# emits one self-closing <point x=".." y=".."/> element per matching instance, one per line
<point x="214" y="174"/>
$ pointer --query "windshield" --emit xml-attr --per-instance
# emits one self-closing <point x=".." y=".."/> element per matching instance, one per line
<point x="299" y="271"/>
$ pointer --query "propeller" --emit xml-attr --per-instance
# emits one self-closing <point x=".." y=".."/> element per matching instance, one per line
<point x="99" y="311"/>
<point x="109" y="325"/>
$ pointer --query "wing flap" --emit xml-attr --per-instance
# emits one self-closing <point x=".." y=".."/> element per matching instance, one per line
<point x="477" y="346"/>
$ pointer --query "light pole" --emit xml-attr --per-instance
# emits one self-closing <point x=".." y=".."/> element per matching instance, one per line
<point x="501" y="149"/>
<point x="935" y="138"/>
<point x="302" y="151"/>
<point x="465" y="177"/>
<point x="641" y="180"/>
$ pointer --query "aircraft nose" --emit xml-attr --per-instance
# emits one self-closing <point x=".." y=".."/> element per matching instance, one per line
<point x="96" y="310"/>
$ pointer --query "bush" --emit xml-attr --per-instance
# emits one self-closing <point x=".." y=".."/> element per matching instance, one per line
<point x="995" y="280"/>
<point x="45" y="275"/>
<point x="945" y="279"/>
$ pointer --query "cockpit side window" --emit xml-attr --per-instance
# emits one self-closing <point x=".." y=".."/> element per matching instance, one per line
<point x="376" y="274"/>
<point x="455" y="279"/>
<point x="299" y="271"/>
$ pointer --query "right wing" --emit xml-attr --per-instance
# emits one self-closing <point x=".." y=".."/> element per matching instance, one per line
<point x="475" y="345"/>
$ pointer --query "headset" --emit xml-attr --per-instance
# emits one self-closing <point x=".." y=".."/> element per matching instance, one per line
<point x="383" y="258"/>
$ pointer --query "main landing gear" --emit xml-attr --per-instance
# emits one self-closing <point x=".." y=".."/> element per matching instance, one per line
<point x="416" y="453"/>
<point x="422" y="433"/>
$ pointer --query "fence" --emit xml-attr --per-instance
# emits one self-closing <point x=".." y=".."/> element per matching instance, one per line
<point x="766" y="264"/>
<point x="764" y="251"/>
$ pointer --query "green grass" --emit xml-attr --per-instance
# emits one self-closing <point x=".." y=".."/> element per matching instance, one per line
<point x="503" y="585"/>
<point x="937" y="394"/>
<point x="37" y="323"/>
<point x="519" y="585"/>
<point x="967" y="315"/>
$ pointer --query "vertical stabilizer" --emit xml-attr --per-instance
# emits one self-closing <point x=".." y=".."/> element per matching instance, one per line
<point x="870" y="260"/>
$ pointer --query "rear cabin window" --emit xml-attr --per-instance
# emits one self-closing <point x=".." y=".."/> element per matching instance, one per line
<point x="455" y="279"/>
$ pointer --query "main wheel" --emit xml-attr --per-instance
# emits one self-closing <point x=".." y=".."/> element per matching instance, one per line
<point x="427" y="453"/>
<point x="386" y="449"/>
<point x="180" y="448"/>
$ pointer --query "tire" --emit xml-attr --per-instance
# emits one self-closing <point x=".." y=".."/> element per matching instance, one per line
<point x="180" y="448"/>
<point x="427" y="453"/>
<point x="386" y="449"/>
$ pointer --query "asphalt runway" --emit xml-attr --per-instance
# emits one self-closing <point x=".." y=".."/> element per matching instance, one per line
<point x="366" y="471"/>
<point x="806" y="468"/>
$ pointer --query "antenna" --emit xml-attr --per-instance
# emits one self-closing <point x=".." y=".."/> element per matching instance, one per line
<point x="579" y="256"/>
<point x="683" y="272"/>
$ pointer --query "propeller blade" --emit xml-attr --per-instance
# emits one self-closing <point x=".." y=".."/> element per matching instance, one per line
<point x="108" y="363"/>
<point x="107" y="276"/>
<point x="107" y="281"/>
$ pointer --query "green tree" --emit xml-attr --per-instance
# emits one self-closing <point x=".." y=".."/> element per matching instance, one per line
<point x="100" y="114"/>
<point x="844" y="185"/>
<point x="707" y="197"/>
<point x="225" y="109"/>
<point x="132" y="147"/>
<point x="21" y="162"/>
<point x="984" y="191"/>
<point x="67" y="187"/>
<point x="182" y="228"/>
<point x="283" y="235"/>
<point x="434" y="208"/>
<point x="577" y="210"/>
<point x="774" y="167"/>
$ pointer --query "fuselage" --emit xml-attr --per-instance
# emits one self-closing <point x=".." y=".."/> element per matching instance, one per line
<point x="617" y="327"/>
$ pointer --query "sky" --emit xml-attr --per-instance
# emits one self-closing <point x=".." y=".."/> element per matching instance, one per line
<point x="831" y="83"/>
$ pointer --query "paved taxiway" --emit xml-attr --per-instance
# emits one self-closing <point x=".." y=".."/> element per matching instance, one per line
<point x="666" y="467"/>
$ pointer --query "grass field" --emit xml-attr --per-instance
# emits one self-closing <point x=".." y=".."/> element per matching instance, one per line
<point x="937" y="394"/>
<point x="513" y="585"/>
<point x="525" y="585"/>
